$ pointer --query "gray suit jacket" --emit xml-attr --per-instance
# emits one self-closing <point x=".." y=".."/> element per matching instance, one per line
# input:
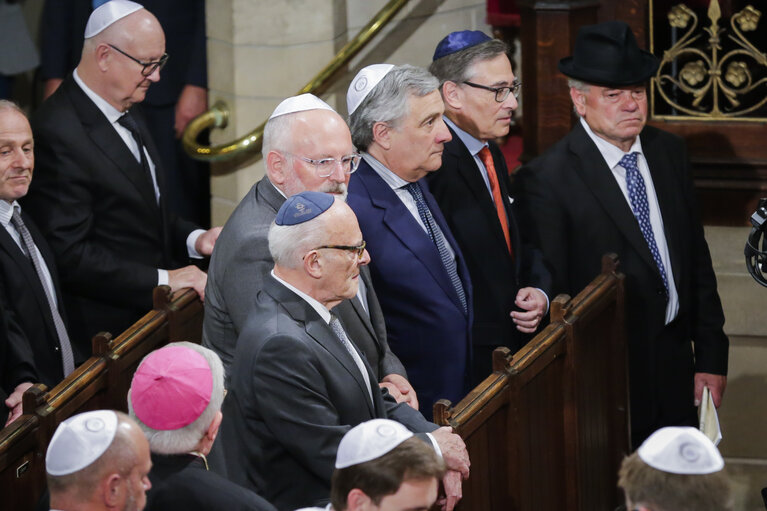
<point x="295" y="391"/>
<point x="238" y="267"/>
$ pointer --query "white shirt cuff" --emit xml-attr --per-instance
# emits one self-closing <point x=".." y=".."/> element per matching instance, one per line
<point x="435" y="444"/>
<point x="162" y="277"/>
<point x="547" y="301"/>
<point x="191" y="240"/>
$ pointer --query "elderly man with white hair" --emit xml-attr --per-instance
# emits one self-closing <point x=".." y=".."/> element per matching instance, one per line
<point x="298" y="384"/>
<point x="176" y="397"/>
<point x="98" y="461"/>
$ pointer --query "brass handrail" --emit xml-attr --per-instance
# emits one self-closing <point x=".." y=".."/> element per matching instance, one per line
<point x="218" y="115"/>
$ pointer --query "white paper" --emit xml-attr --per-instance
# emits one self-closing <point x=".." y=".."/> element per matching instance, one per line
<point x="709" y="419"/>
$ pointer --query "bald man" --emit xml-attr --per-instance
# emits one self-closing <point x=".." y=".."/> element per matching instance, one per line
<point x="97" y="461"/>
<point x="99" y="191"/>
<point x="301" y="138"/>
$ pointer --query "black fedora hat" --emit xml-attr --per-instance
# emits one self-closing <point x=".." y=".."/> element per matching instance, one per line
<point x="607" y="54"/>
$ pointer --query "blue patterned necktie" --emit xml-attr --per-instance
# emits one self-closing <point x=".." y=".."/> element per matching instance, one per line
<point x="438" y="239"/>
<point x="638" y="198"/>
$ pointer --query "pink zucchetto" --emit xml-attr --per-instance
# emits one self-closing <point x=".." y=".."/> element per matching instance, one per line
<point x="171" y="388"/>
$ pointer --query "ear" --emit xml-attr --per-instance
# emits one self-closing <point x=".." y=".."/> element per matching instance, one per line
<point x="103" y="56"/>
<point x="112" y="490"/>
<point x="382" y="135"/>
<point x="276" y="167"/>
<point x="313" y="264"/>
<point x="357" y="500"/>
<point x="579" y="100"/>
<point x="452" y="95"/>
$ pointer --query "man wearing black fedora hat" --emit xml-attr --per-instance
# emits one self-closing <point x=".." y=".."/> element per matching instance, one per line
<point x="614" y="184"/>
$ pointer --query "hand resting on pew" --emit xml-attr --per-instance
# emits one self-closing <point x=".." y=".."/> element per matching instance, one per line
<point x="188" y="276"/>
<point x="14" y="402"/>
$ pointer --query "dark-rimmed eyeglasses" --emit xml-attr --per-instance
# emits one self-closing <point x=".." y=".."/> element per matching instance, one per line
<point x="148" y="67"/>
<point x="325" y="166"/>
<point x="501" y="93"/>
<point x="359" y="249"/>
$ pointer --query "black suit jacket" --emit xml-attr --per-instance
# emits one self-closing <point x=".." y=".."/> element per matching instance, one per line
<point x="580" y="213"/>
<point x="295" y="391"/>
<point x="16" y="356"/>
<point x="28" y="313"/>
<point x="496" y="277"/>
<point x="96" y="207"/>
<point x="181" y="482"/>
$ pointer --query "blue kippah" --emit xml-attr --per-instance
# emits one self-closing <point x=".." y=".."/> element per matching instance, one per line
<point x="457" y="41"/>
<point x="303" y="207"/>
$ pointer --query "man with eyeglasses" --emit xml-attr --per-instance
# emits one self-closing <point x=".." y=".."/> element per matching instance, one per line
<point x="472" y="190"/>
<point x="99" y="192"/>
<point x="298" y="383"/>
<point x="614" y="184"/>
<point x="306" y="146"/>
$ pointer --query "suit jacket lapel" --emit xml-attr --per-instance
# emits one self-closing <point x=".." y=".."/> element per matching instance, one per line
<point x="28" y="270"/>
<point x="591" y="166"/>
<point x="360" y="309"/>
<point x="321" y="332"/>
<point x="108" y="141"/>
<point x="403" y="226"/>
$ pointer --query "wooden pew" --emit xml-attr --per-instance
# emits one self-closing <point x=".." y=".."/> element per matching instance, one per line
<point x="101" y="382"/>
<point x="547" y="430"/>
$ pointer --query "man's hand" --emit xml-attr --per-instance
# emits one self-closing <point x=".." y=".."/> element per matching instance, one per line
<point x="453" y="450"/>
<point x="400" y="389"/>
<point x="14" y="401"/>
<point x="188" y="276"/>
<point x="453" y="490"/>
<point x="533" y="302"/>
<point x="206" y="241"/>
<point x="192" y="102"/>
<point x="715" y="383"/>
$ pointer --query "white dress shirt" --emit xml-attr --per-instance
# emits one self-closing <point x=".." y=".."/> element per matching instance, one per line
<point x="612" y="156"/>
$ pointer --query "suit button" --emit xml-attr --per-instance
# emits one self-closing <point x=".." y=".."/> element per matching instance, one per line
<point x="660" y="291"/>
<point x="56" y="348"/>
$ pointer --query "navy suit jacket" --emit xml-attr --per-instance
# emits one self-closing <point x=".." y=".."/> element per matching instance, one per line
<point x="425" y="322"/>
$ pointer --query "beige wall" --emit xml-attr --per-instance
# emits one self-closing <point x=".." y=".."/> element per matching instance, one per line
<point x="261" y="52"/>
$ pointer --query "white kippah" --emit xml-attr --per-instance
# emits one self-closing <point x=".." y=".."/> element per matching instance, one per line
<point x="681" y="450"/>
<point x="108" y="13"/>
<point x="363" y="83"/>
<point x="300" y="104"/>
<point x="79" y="441"/>
<point x="370" y="440"/>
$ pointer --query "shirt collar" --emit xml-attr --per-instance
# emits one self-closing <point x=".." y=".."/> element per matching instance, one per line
<point x="6" y="211"/>
<point x="612" y="154"/>
<point x="321" y="309"/>
<point x="474" y="145"/>
<point x="112" y="114"/>
<point x="389" y="177"/>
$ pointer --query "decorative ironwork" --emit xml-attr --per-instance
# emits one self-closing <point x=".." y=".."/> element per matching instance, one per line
<point x="711" y="73"/>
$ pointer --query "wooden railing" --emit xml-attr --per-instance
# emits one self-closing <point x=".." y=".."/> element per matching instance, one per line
<point x="101" y="382"/>
<point x="548" y="429"/>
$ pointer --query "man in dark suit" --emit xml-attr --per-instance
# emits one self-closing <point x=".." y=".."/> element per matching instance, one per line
<point x="417" y="267"/>
<point x="616" y="185"/>
<point x="99" y="193"/>
<point x="298" y="383"/>
<point x="169" y="105"/>
<point x="300" y="137"/>
<point x="472" y="190"/>
<point x="175" y="398"/>
<point x="37" y="345"/>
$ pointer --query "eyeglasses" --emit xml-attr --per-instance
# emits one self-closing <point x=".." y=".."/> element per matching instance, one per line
<point x="149" y="67"/>
<point x="359" y="249"/>
<point x="501" y="93"/>
<point x="325" y="166"/>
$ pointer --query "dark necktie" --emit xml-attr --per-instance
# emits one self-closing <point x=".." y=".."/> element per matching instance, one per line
<point x="338" y="329"/>
<point x="495" y="189"/>
<point x="438" y="239"/>
<point x="638" y="198"/>
<point x="128" y="122"/>
<point x="67" y="357"/>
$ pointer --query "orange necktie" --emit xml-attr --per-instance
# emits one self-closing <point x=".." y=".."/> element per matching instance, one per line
<point x="487" y="159"/>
